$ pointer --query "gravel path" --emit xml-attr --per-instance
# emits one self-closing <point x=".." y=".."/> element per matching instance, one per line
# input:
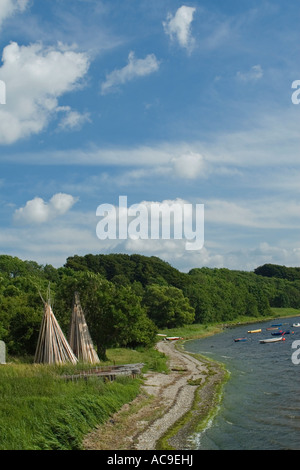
<point x="173" y="390"/>
<point x="163" y="400"/>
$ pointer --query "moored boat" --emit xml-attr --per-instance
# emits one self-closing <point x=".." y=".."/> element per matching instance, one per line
<point x="254" y="331"/>
<point x="173" y="338"/>
<point x="272" y="340"/>
<point x="240" y="339"/>
<point x="272" y="328"/>
<point x="277" y="333"/>
<point x="296" y="325"/>
<point x="281" y="333"/>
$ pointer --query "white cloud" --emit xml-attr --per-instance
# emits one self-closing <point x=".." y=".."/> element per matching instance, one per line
<point x="259" y="214"/>
<point x="189" y="165"/>
<point x="35" y="78"/>
<point x="10" y="7"/>
<point x="270" y="142"/>
<point x="37" y="211"/>
<point x="254" y="74"/>
<point x="179" y="26"/>
<point x="135" y="68"/>
<point x="72" y="120"/>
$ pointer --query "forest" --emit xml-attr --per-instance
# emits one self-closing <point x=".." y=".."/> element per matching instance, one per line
<point x="128" y="298"/>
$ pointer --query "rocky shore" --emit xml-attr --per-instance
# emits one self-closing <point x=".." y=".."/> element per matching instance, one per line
<point x="169" y="408"/>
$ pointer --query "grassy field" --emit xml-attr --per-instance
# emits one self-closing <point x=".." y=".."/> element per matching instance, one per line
<point x="41" y="411"/>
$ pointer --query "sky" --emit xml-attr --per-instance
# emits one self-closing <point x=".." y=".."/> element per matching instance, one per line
<point x="162" y="102"/>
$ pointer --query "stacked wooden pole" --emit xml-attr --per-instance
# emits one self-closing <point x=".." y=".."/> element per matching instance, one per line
<point x="80" y="339"/>
<point x="52" y="346"/>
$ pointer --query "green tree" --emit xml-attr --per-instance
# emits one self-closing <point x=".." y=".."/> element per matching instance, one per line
<point x="167" y="306"/>
<point x="114" y="313"/>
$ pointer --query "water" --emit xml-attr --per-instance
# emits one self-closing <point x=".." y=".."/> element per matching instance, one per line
<point x="260" y="409"/>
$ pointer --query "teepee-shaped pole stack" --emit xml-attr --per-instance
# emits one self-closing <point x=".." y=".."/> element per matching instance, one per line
<point x="80" y="339"/>
<point x="52" y="346"/>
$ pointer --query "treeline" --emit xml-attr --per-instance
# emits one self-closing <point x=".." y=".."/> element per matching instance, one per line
<point x="127" y="298"/>
<point x="275" y="270"/>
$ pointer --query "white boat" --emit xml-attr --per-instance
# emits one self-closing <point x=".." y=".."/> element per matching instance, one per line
<point x="272" y="340"/>
<point x="296" y="325"/>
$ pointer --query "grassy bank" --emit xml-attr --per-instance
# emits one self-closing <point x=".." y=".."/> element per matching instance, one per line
<point x="41" y="411"/>
<point x="197" y="331"/>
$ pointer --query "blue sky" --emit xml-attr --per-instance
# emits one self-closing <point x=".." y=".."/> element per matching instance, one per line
<point x="186" y="102"/>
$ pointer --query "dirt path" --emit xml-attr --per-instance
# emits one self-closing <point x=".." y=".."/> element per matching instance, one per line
<point x="164" y="399"/>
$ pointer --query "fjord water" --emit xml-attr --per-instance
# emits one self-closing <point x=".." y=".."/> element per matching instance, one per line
<point x="260" y="408"/>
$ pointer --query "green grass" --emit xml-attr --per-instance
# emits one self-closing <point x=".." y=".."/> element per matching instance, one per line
<point x="152" y="359"/>
<point x="286" y="312"/>
<point x="41" y="411"/>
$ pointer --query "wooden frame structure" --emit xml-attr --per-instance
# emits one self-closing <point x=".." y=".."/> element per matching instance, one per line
<point x="79" y="338"/>
<point x="52" y="346"/>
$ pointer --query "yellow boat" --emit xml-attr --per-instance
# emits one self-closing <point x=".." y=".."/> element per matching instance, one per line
<point x="254" y="331"/>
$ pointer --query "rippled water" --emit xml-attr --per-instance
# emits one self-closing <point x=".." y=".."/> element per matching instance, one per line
<point x="260" y="409"/>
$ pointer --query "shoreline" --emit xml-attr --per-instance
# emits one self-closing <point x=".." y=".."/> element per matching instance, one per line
<point x="207" y="399"/>
<point x="169" y="409"/>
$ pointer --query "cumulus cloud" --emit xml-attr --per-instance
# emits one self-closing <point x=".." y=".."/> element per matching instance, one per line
<point x="252" y="75"/>
<point x="135" y="68"/>
<point x="179" y="26"/>
<point x="37" y="211"/>
<point x="35" y="78"/>
<point x="10" y="7"/>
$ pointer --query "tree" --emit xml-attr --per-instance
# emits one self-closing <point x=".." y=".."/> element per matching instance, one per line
<point x="113" y="313"/>
<point x="167" y="306"/>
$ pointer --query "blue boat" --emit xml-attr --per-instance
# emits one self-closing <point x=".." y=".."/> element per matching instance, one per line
<point x="278" y="324"/>
<point x="281" y="333"/>
<point x="240" y="339"/>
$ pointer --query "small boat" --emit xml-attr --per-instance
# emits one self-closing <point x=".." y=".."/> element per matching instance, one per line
<point x="296" y="325"/>
<point x="278" y="324"/>
<point x="278" y="333"/>
<point x="254" y="331"/>
<point x="281" y="333"/>
<point x="272" y="340"/>
<point x="240" y="339"/>
<point x="272" y="328"/>
<point x="173" y="338"/>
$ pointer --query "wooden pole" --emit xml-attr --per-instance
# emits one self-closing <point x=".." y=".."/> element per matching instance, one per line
<point x="80" y="339"/>
<point x="52" y="346"/>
